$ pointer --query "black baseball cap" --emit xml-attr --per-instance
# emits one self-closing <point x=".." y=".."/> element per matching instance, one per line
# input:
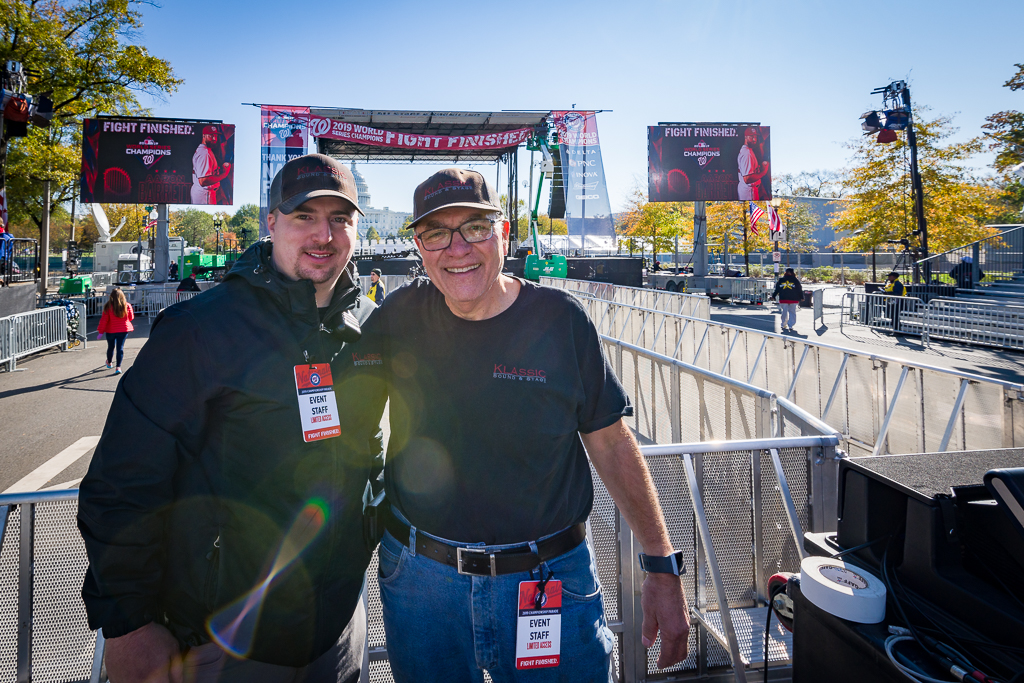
<point x="375" y="271"/>
<point x="310" y="176"/>
<point x="450" y="188"/>
<point x="893" y="274"/>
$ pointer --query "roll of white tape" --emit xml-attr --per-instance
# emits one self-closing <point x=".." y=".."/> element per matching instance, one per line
<point x="843" y="590"/>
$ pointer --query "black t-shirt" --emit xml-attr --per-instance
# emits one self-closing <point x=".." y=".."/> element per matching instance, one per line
<point x="486" y="415"/>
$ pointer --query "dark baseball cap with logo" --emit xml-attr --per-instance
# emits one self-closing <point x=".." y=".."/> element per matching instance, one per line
<point x="311" y="176"/>
<point x="450" y="188"/>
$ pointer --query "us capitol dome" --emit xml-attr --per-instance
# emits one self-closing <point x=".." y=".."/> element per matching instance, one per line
<point x="384" y="221"/>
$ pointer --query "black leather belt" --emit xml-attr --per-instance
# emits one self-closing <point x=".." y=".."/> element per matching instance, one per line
<point x="478" y="562"/>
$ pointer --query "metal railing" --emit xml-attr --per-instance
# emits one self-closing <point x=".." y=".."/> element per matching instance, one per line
<point x="19" y="258"/>
<point x="693" y="305"/>
<point x="881" y="311"/>
<point x="878" y="403"/>
<point x="732" y="541"/>
<point x="1000" y="256"/>
<point x="974" y="322"/>
<point x="23" y="334"/>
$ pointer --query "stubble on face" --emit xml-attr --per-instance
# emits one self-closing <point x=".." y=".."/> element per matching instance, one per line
<point x="316" y="241"/>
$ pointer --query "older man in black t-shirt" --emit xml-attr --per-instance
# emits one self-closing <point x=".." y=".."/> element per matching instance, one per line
<point x="496" y="386"/>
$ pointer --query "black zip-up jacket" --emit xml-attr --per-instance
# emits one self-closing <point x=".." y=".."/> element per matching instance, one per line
<point x="788" y="288"/>
<point x="202" y="470"/>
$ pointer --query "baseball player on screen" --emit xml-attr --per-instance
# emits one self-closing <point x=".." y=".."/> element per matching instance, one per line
<point x="206" y="171"/>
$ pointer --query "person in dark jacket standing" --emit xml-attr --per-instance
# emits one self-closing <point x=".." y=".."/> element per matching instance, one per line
<point x="790" y="293"/>
<point x="376" y="291"/>
<point x="222" y="510"/>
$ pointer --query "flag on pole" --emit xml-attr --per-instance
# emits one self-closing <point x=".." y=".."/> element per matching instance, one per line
<point x="774" y="222"/>
<point x="755" y="215"/>
<point x="3" y="210"/>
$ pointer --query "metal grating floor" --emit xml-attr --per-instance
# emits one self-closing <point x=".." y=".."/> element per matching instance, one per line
<point x="749" y="625"/>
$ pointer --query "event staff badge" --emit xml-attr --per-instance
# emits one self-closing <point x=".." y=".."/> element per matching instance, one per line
<point x="317" y="405"/>
<point x="539" y="632"/>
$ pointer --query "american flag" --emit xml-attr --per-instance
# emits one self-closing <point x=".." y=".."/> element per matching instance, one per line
<point x="755" y="215"/>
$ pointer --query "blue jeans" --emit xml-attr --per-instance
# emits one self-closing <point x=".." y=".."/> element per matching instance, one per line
<point x="447" y="627"/>
<point x="116" y="339"/>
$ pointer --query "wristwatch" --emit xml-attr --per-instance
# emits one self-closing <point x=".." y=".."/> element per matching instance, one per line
<point x="671" y="564"/>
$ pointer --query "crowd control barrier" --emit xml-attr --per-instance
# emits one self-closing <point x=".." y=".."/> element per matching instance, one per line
<point x="27" y="333"/>
<point x="881" y="405"/>
<point x="732" y="542"/>
<point x="693" y="305"/>
<point x="881" y="311"/>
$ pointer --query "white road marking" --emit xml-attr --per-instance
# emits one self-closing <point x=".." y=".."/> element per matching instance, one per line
<point x="66" y="485"/>
<point x="55" y="465"/>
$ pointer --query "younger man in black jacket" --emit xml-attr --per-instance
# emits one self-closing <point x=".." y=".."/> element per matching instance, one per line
<point x="222" y="511"/>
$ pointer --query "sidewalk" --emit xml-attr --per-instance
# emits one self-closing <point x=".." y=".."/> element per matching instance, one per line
<point x="1002" y="364"/>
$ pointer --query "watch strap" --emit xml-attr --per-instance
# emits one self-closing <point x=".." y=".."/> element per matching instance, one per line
<point x="670" y="564"/>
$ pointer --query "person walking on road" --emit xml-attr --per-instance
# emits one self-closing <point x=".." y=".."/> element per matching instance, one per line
<point x="790" y="293"/>
<point x="376" y="292"/>
<point x="116" y="323"/>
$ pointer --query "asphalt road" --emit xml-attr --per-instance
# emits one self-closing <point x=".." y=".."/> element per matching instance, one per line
<point x="55" y="400"/>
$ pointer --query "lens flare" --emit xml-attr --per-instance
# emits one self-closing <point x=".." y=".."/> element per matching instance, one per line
<point x="234" y="626"/>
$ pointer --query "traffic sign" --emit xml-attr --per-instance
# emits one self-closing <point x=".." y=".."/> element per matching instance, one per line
<point x="776" y="256"/>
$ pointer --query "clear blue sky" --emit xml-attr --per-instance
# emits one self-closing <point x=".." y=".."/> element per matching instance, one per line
<point x="804" y="68"/>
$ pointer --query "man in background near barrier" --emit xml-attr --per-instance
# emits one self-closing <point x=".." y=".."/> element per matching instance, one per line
<point x="222" y="512"/>
<point x="376" y="292"/>
<point x="496" y="385"/>
<point x="207" y="172"/>
<point x="790" y="293"/>
<point x="893" y="287"/>
<point x="963" y="273"/>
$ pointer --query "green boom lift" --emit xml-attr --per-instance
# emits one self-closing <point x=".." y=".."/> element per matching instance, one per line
<point x="554" y="265"/>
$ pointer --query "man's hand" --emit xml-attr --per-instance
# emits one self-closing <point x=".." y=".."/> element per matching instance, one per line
<point x="665" y="609"/>
<point x="147" y="655"/>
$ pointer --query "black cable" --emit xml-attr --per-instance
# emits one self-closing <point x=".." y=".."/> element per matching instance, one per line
<point x="860" y="547"/>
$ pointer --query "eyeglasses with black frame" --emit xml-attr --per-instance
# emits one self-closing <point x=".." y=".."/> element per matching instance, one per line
<point x="438" y="238"/>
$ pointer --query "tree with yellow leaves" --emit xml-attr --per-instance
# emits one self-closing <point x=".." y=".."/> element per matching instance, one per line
<point x="656" y="224"/>
<point x="957" y="204"/>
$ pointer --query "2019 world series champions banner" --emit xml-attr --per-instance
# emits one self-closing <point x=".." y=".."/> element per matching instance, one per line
<point x="588" y="209"/>
<point x="708" y="162"/>
<point x="283" y="137"/>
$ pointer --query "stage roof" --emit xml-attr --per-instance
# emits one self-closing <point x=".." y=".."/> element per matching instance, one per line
<point x="450" y="123"/>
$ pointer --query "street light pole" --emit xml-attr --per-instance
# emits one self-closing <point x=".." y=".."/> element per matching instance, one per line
<point x="217" y="223"/>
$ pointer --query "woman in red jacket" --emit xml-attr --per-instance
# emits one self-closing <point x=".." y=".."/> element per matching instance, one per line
<point x="116" y="323"/>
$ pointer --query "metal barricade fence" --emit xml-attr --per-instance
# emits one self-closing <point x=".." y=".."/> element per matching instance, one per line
<point x="880" y="404"/>
<point x="974" y="322"/>
<point x="732" y="541"/>
<point x="31" y="332"/>
<point x="881" y="311"/>
<point x="154" y="302"/>
<point x="693" y="305"/>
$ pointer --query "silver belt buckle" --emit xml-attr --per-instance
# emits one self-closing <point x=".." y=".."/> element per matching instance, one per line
<point x="458" y="558"/>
